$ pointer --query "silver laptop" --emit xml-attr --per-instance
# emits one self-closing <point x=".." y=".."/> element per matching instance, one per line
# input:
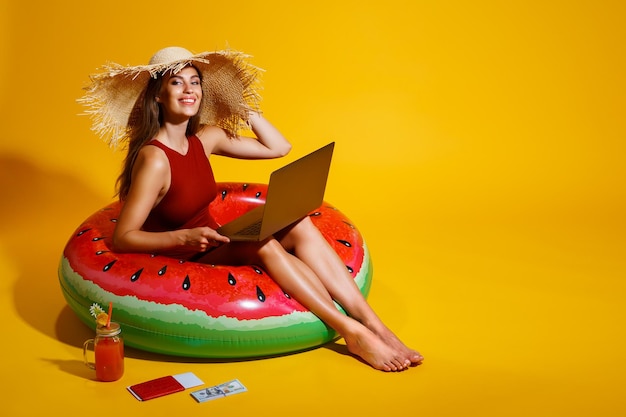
<point x="293" y="192"/>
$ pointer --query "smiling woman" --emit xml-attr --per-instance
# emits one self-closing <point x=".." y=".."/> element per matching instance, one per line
<point x="188" y="108"/>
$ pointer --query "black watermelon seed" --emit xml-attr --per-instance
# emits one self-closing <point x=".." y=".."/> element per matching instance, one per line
<point x="345" y="243"/>
<point x="231" y="279"/>
<point x="287" y="295"/>
<point x="109" y="266"/>
<point x="260" y="295"/>
<point x="82" y="232"/>
<point x="317" y="213"/>
<point x="257" y="270"/>
<point x="224" y="192"/>
<point x="134" y="277"/>
<point x="162" y="270"/>
<point x="95" y="239"/>
<point x="350" y="270"/>
<point x="245" y="187"/>
<point x="186" y="283"/>
<point x="258" y="194"/>
<point x="114" y="220"/>
<point x="100" y="252"/>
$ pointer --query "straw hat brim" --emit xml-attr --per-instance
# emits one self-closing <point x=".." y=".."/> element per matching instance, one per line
<point x="114" y="97"/>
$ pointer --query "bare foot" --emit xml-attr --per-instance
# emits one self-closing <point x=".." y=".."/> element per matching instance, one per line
<point x="413" y="356"/>
<point x="376" y="352"/>
<point x="387" y="336"/>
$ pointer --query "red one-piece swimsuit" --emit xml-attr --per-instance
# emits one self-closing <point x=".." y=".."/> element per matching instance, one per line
<point x="192" y="189"/>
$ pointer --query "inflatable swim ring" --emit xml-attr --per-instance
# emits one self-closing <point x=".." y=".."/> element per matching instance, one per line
<point x="180" y="308"/>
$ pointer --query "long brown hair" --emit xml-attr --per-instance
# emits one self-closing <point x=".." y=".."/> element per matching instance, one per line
<point x="144" y="124"/>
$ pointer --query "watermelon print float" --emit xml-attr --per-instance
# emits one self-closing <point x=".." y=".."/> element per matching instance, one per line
<point x="190" y="309"/>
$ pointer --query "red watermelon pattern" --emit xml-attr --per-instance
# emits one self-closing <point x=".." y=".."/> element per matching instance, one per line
<point x="186" y="308"/>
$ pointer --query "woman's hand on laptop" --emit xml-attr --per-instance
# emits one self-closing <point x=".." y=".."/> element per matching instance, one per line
<point x="202" y="238"/>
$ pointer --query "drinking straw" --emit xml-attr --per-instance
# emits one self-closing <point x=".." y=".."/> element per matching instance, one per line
<point x="110" y="312"/>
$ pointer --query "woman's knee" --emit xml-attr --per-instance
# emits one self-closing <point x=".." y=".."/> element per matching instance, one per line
<point x="305" y="225"/>
<point x="270" y="249"/>
<point x="302" y="231"/>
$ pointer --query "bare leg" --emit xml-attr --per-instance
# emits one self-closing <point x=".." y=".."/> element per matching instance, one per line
<point x="300" y="281"/>
<point x="307" y="243"/>
<point x="297" y="279"/>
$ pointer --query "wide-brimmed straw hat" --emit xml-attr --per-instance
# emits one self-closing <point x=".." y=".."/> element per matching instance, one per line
<point x="114" y="99"/>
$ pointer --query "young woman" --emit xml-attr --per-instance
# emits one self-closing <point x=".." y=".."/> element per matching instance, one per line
<point x="167" y="184"/>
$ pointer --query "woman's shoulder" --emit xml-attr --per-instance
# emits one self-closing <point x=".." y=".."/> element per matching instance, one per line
<point x="210" y="137"/>
<point x="210" y="131"/>
<point x="151" y="149"/>
<point x="152" y="157"/>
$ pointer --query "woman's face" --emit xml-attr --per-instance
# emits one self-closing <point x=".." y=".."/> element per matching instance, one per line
<point x="180" y="95"/>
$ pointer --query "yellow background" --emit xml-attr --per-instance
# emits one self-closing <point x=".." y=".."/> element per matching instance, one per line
<point x="496" y="127"/>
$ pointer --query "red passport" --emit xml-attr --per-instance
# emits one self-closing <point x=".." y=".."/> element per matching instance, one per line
<point x="163" y="386"/>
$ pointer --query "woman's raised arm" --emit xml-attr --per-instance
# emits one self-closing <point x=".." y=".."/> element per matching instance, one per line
<point x="269" y="142"/>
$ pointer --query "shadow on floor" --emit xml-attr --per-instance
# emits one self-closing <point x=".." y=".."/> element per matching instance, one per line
<point x="39" y="211"/>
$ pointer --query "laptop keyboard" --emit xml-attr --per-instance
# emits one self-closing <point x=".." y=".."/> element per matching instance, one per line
<point x="251" y="230"/>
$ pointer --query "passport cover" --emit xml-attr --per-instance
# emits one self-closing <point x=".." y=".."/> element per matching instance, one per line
<point x="163" y="386"/>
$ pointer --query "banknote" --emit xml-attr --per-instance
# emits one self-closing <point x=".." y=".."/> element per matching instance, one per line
<point x="219" y="391"/>
<point x="232" y="387"/>
<point x="207" y="394"/>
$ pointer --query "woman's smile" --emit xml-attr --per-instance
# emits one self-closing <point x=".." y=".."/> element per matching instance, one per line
<point x="188" y="100"/>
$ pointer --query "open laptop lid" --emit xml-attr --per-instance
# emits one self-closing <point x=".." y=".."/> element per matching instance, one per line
<point x="295" y="190"/>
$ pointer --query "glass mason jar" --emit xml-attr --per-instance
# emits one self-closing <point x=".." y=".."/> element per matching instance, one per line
<point x="108" y="347"/>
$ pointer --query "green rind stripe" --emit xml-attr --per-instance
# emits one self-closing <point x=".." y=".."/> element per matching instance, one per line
<point x="173" y="329"/>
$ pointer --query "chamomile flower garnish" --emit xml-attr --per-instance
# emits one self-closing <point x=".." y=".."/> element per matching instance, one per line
<point x="95" y="310"/>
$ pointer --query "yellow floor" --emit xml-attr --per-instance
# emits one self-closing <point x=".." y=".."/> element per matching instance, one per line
<point x="521" y="318"/>
<point x="497" y="127"/>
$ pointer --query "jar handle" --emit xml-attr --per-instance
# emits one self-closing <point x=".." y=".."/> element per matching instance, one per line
<point x="85" y="348"/>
